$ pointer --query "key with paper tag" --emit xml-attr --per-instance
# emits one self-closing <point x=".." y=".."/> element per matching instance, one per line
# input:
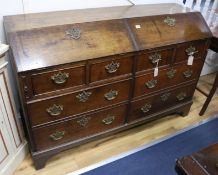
<point x="191" y="51"/>
<point x="190" y="60"/>
<point x="156" y="70"/>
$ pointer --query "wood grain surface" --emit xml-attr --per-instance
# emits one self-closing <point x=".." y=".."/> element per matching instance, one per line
<point x="99" y="150"/>
<point x="16" y="23"/>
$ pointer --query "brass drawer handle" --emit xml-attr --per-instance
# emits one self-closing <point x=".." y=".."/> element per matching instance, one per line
<point x="171" y="73"/>
<point x="165" y="96"/>
<point x="112" y="67"/>
<point x="60" y="77"/>
<point x="55" y="110"/>
<point x="155" y="58"/>
<point x="74" y="33"/>
<point x="170" y="21"/>
<point x="83" y="121"/>
<point x="146" y="108"/>
<point x="84" y="96"/>
<point x="112" y="94"/>
<point x="151" y="84"/>
<point x="191" y="50"/>
<point x="188" y="73"/>
<point x="57" y="135"/>
<point x="108" y="120"/>
<point x="181" y="96"/>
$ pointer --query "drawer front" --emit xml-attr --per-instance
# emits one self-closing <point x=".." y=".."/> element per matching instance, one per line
<point x="58" y="79"/>
<point x="142" y="108"/>
<point x="149" y="60"/>
<point x="168" y="77"/>
<point x="75" y="103"/>
<point x="183" y="51"/>
<point x="110" y="68"/>
<point x="79" y="127"/>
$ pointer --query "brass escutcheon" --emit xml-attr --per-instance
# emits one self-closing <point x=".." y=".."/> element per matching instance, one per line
<point x="151" y="84"/>
<point x="170" y="21"/>
<point x="83" y="121"/>
<point x="171" y="73"/>
<point x="112" y="94"/>
<point x="191" y="50"/>
<point x="60" y="77"/>
<point x="74" y="33"/>
<point x="57" y="135"/>
<point x="146" y="108"/>
<point x="108" y="120"/>
<point x="112" y="67"/>
<point x="155" y="58"/>
<point x="165" y="96"/>
<point x="181" y="96"/>
<point x="84" y="96"/>
<point x="55" y="110"/>
<point x="188" y="73"/>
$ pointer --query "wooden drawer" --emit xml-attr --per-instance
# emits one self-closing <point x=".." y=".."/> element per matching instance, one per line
<point x="179" y="73"/>
<point x="109" y="68"/>
<point x="149" y="60"/>
<point x="79" y="127"/>
<point x="67" y="105"/>
<point x="156" y="103"/>
<point x="52" y="80"/>
<point x="182" y="50"/>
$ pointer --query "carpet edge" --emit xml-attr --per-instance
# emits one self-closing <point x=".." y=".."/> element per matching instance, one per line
<point x="122" y="155"/>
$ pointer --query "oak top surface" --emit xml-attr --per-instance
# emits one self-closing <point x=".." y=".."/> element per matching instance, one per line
<point x="40" y="40"/>
<point x="39" y="20"/>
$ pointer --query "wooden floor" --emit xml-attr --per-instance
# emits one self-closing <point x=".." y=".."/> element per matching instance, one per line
<point x="96" y="151"/>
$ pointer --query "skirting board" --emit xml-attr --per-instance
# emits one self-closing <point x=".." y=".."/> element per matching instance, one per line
<point x="15" y="160"/>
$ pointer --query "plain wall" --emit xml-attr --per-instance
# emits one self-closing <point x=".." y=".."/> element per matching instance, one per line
<point x="8" y="7"/>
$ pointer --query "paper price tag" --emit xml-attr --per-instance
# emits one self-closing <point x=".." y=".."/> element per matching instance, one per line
<point x="155" y="71"/>
<point x="138" y="26"/>
<point x="190" y="60"/>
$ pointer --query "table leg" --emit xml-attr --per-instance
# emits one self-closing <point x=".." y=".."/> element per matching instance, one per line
<point x="210" y="96"/>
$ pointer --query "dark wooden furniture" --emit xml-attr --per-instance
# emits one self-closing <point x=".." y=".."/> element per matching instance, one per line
<point x="214" y="40"/>
<point x="83" y="77"/>
<point x="214" y="47"/>
<point x="204" y="162"/>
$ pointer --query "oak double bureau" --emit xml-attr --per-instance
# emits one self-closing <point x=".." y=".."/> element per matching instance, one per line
<point x="88" y="78"/>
